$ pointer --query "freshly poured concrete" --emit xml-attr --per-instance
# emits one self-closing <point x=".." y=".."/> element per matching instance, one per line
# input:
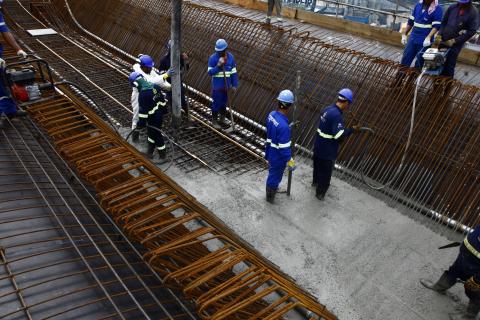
<point x="359" y="256"/>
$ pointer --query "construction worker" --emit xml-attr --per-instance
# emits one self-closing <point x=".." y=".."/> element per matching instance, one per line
<point x="459" y="24"/>
<point x="330" y="133"/>
<point x="223" y="70"/>
<point x="7" y="105"/>
<point x="164" y="66"/>
<point x="135" y="107"/>
<point x="423" y="23"/>
<point x="278" y="145"/>
<point x="467" y="269"/>
<point x="152" y="104"/>
<point x="278" y="8"/>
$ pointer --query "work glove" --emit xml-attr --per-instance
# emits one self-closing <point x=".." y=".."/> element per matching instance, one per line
<point x="221" y="62"/>
<point x="404" y="39"/>
<point x="2" y="64"/>
<point x="168" y="74"/>
<point x="291" y="165"/>
<point x="427" y="42"/>
<point x="22" y="54"/>
<point x="472" y="285"/>
<point x="436" y="42"/>
<point x="449" y="43"/>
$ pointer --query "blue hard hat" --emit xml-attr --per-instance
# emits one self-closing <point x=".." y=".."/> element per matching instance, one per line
<point x="286" y="96"/>
<point x="221" y="45"/>
<point x="133" y="76"/>
<point x="345" y="94"/>
<point x="146" y="61"/>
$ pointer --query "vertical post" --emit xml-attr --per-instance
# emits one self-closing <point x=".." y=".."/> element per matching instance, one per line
<point x="395" y="16"/>
<point x="175" y="62"/>
<point x="294" y="125"/>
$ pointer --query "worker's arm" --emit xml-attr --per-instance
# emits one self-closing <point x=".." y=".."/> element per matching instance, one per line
<point x="338" y="129"/>
<point x="234" y="74"/>
<point x="134" y="100"/>
<point x="468" y="31"/>
<point x="410" y="22"/>
<point x="212" y="66"/>
<point x="285" y="142"/>
<point x="10" y="40"/>
<point x="437" y="21"/>
<point x="159" y="80"/>
<point x="444" y="21"/>
<point x="136" y="68"/>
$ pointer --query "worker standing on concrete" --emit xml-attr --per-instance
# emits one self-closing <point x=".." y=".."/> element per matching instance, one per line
<point x="467" y="269"/>
<point x="223" y="70"/>
<point x="7" y="105"/>
<point x="152" y="104"/>
<point x="164" y="66"/>
<point x="278" y="145"/>
<point x="278" y="8"/>
<point x="423" y="23"/>
<point x="330" y="133"/>
<point x="459" y="24"/>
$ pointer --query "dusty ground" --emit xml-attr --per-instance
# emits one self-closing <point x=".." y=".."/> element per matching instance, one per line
<point x="360" y="257"/>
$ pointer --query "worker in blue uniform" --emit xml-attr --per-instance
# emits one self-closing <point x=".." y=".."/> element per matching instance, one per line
<point x="223" y="70"/>
<point x="152" y="106"/>
<point x="278" y="145"/>
<point x="7" y="105"/>
<point x="459" y="24"/>
<point x="467" y="269"/>
<point x="331" y="131"/>
<point x="423" y="23"/>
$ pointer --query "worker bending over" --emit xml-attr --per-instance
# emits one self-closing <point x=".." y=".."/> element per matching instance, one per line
<point x="7" y="105"/>
<point x="278" y="145"/>
<point x="465" y="268"/>
<point x="423" y="23"/>
<point x="152" y="104"/>
<point x="223" y="70"/>
<point x="459" y="24"/>
<point x="330" y="133"/>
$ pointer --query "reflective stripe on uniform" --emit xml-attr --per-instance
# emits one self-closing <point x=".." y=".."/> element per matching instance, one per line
<point x="412" y="18"/>
<point x="420" y="25"/>
<point x="437" y="22"/>
<point x="234" y="70"/>
<point x="471" y="248"/>
<point x="162" y="147"/>
<point x="2" y="24"/>
<point x="159" y="104"/>
<point x="329" y="136"/>
<point x="150" y="140"/>
<point x="220" y="74"/>
<point x="280" y="145"/>
<point x="143" y="115"/>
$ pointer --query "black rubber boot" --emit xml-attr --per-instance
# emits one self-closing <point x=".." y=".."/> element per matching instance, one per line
<point x="151" y="150"/>
<point x="215" y="123"/>
<point x="135" y="136"/>
<point x="319" y="193"/>
<point x="441" y="285"/>
<point x="271" y="194"/>
<point x="162" y="154"/>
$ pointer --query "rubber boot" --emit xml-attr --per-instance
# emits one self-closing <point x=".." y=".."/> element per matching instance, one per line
<point x="271" y="194"/>
<point x="135" y="136"/>
<point x="215" y="123"/>
<point x="150" y="150"/>
<point x="319" y="193"/>
<point x="162" y="154"/>
<point x="441" y="285"/>
<point x="268" y="20"/>
<point x="472" y="313"/>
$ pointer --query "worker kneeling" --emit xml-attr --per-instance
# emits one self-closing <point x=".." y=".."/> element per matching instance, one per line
<point x="330" y="133"/>
<point x="466" y="268"/>
<point x="278" y="145"/>
<point x="152" y="107"/>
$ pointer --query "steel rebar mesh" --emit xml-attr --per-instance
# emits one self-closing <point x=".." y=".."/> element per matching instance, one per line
<point x="441" y="165"/>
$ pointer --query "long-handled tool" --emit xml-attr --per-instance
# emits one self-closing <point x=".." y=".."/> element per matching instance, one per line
<point x="230" y="107"/>
<point x="293" y="124"/>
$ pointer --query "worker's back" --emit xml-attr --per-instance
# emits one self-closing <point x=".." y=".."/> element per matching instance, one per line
<point x="278" y="138"/>
<point x="330" y="129"/>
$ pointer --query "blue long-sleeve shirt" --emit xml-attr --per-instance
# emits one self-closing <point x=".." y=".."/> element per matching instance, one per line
<point x="217" y="74"/>
<point x="330" y="133"/>
<point x="459" y="24"/>
<point x="278" y="146"/>
<point x="422" y="22"/>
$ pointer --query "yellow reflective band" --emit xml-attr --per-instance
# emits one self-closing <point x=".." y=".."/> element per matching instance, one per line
<point x="234" y="70"/>
<point x="281" y="145"/>
<point x="150" y="140"/>
<point x="210" y="68"/>
<point x="329" y="136"/>
<point x="419" y="25"/>
<point x="339" y="134"/>
<point x="412" y="18"/>
<point x="220" y="74"/>
<point x="142" y="115"/>
<point x="437" y="22"/>
<point x="471" y="248"/>
<point x="269" y="140"/>
<point x="162" y="147"/>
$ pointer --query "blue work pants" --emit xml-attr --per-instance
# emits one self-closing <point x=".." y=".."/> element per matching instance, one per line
<point x="322" y="174"/>
<point x="7" y="105"/>
<point x="414" y="46"/>
<point x="275" y="174"/>
<point x="220" y="100"/>
<point x="465" y="266"/>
